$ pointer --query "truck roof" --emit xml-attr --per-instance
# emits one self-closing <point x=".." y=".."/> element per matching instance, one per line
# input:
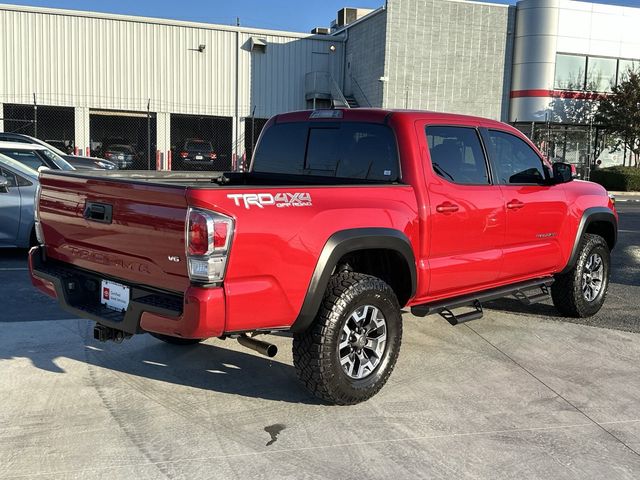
<point x="380" y="115"/>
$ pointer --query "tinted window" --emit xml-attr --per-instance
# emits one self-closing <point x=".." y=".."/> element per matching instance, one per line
<point x="281" y="149"/>
<point x="29" y="158"/>
<point x="323" y="150"/>
<point x="199" y="146"/>
<point x="515" y="159"/>
<point x="456" y="155"/>
<point x="345" y="149"/>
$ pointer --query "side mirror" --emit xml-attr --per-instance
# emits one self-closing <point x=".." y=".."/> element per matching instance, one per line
<point x="562" y="172"/>
<point x="43" y="168"/>
<point x="4" y="184"/>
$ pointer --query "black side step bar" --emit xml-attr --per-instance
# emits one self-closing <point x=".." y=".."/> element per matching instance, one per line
<point x="454" y="319"/>
<point x="445" y="307"/>
<point x="531" y="299"/>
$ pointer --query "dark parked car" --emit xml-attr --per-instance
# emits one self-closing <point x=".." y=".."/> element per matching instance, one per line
<point x="193" y="154"/>
<point x="123" y="156"/>
<point x="78" y="162"/>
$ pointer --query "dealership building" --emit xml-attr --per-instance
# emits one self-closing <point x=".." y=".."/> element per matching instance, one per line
<point x="83" y="77"/>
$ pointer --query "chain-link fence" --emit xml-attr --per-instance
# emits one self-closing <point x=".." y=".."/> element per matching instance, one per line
<point x="51" y="124"/>
<point x="142" y="139"/>
<point x="252" y="128"/>
<point x="145" y="139"/>
<point x="201" y="142"/>
<point x="587" y="147"/>
<point x="127" y="139"/>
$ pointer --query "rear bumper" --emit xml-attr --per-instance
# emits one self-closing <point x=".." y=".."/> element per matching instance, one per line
<point x="199" y="313"/>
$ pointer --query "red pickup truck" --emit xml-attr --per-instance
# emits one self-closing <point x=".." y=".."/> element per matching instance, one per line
<point x="345" y="218"/>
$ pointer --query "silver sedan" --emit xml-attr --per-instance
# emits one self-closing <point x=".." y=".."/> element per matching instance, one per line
<point x="18" y="185"/>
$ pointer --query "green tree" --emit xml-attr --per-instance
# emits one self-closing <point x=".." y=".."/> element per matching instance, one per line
<point x="619" y="115"/>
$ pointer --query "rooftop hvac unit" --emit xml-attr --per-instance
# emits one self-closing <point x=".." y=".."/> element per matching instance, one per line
<point x="321" y="31"/>
<point x="346" y="16"/>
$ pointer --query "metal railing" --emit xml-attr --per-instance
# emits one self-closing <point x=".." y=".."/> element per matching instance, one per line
<point x="337" y="96"/>
<point x="322" y="85"/>
<point x="355" y="82"/>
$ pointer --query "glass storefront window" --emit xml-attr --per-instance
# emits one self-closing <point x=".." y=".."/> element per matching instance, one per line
<point x="601" y="74"/>
<point x="570" y="70"/>
<point x="625" y="66"/>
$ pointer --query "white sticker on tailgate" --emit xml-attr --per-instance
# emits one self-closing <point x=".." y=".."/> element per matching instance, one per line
<point x="114" y="296"/>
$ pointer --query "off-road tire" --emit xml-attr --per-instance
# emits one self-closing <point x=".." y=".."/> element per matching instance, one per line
<point x="315" y="351"/>
<point x="176" y="340"/>
<point x="566" y="292"/>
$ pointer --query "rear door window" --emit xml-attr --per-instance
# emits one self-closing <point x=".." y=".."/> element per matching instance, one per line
<point x="352" y="150"/>
<point x="456" y="155"/>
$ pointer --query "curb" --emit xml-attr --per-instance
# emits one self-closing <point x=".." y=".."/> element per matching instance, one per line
<point x="626" y="194"/>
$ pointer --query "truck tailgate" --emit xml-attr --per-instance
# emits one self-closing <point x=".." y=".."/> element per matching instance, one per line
<point x="129" y="231"/>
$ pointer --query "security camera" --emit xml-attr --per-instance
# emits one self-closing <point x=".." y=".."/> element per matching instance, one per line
<point x="201" y="48"/>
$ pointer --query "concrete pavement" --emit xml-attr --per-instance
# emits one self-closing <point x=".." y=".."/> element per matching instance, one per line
<point x="519" y="394"/>
<point x="507" y="397"/>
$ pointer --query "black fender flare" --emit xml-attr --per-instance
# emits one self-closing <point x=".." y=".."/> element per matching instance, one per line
<point x="340" y="244"/>
<point x="590" y="215"/>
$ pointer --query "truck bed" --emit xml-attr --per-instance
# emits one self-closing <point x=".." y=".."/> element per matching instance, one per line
<point x="275" y="248"/>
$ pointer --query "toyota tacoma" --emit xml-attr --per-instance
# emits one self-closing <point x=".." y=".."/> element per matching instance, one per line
<point x="344" y="218"/>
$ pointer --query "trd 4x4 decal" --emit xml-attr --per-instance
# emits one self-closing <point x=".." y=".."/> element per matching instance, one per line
<point x="280" y="200"/>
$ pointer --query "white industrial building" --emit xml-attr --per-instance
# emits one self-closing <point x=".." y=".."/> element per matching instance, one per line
<point x="95" y="76"/>
<point x="109" y="69"/>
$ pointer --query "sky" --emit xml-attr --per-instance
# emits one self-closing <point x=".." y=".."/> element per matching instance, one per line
<point x="292" y="15"/>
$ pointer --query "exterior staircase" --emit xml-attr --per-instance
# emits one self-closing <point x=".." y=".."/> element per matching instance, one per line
<point x="321" y="88"/>
<point x="351" y="101"/>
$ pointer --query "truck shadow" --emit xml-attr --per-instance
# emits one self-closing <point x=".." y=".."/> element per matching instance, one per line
<point x="143" y="358"/>
<point x="513" y="305"/>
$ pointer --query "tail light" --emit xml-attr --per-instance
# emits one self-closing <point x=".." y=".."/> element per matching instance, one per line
<point x="184" y="154"/>
<point x="574" y="170"/>
<point x="108" y="155"/>
<point x="213" y="155"/>
<point x="36" y="216"/>
<point x="208" y="241"/>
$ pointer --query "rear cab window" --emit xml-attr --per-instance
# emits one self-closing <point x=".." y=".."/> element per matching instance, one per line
<point x="349" y="150"/>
